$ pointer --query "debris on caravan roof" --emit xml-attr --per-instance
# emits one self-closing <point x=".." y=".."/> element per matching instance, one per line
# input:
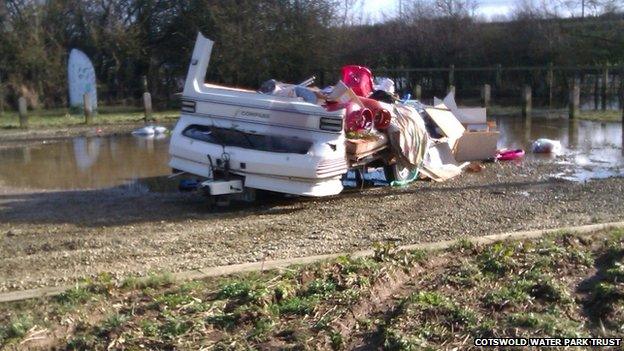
<point x="377" y="120"/>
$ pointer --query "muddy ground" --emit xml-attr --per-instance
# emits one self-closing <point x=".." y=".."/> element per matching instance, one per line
<point x="55" y="237"/>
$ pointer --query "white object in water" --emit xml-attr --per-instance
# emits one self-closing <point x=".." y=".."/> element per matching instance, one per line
<point x="150" y="130"/>
<point x="545" y="146"/>
<point x="160" y="130"/>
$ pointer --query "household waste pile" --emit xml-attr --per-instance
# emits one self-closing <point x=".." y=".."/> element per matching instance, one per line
<point x="440" y="140"/>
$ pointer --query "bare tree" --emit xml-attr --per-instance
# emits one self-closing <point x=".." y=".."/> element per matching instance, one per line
<point x="457" y="8"/>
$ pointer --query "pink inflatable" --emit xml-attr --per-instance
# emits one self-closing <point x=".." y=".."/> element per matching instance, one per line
<point x="508" y="155"/>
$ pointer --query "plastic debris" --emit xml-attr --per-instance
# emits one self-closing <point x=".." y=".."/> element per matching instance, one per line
<point x="385" y="84"/>
<point x="358" y="78"/>
<point x="150" y="130"/>
<point x="508" y="155"/>
<point x="546" y="146"/>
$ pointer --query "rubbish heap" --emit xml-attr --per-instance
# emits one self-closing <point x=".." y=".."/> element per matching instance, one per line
<point x="439" y="141"/>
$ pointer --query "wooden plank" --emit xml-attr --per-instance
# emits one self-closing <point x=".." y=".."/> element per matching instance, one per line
<point x="446" y="121"/>
<point x="360" y="146"/>
<point x="476" y="146"/>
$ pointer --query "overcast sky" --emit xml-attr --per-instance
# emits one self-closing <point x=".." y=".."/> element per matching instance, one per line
<point x="487" y="8"/>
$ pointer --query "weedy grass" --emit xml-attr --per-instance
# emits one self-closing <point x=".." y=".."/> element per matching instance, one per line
<point x="541" y="112"/>
<point x="57" y="118"/>
<point x="556" y="286"/>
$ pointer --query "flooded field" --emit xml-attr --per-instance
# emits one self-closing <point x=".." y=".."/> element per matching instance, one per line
<point x="84" y="163"/>
<point x="590" y="150"/>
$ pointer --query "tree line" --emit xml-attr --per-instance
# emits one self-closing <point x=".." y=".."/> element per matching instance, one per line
<point x="288" y="40"/>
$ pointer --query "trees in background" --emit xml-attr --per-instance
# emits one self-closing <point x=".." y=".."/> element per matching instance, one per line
<point x="283" y="39"/>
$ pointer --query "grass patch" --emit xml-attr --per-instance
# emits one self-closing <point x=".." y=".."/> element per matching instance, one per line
<point x="62" y="117"/>
<point x="298" y="305"/>
<point x="15" y="328"/>
<point x="152" y="281"/>
<point x="602" y="116"/>
<point x="497" y="259"/>
<point x="541" y="112"/>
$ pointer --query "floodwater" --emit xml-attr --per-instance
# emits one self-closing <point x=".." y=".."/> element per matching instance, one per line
<point x="84" y="163"/>
<point x="590" y="150"/>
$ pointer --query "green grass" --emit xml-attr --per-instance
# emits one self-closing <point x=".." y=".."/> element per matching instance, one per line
<point x="542" y="112"/>
<point x="59" y="118"/>
<point x="602" y="116"/>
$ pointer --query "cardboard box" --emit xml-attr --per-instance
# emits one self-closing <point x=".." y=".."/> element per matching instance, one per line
<point x="476" y="146"/>
<point x="466" y="145"/>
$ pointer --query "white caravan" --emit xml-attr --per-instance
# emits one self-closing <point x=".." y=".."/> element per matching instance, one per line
<point x="237" y="139"/>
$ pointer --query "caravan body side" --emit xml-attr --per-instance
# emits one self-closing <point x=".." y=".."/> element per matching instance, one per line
<point x="274" y="143"/>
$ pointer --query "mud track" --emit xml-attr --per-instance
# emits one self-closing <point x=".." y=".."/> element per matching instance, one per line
<point x="55" y="237"/>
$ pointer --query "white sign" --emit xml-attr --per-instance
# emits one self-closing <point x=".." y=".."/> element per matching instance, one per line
<point x="81" y="78"/>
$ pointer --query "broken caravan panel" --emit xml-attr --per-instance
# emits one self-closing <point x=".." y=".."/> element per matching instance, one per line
<point x="268" y="142"/>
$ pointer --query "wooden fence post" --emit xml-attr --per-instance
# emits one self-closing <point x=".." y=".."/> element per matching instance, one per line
<point x="22" y="108"/>
<point x="575" y="99"/>
<point x="147" y="105"/>
<point x="88" y="108"/>
<point x="451" y="89"/>
<point x="1" y="97"/>
<point x="486" y="94"/>
<point x="550" y="77"/>
<point x="526" y="101"/>
<point x="605" y="85"/>
<point x="596" y="92"/>
<point x="499" y="76"/>
<point x="451" y="76"/>
<point x="417" y="92"/>
<point x="144" y="81"/>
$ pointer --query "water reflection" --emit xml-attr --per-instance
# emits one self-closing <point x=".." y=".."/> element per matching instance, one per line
<point x="590" y="149"/>
<point x="84" y="163"/>
<point x="86" y="152"/>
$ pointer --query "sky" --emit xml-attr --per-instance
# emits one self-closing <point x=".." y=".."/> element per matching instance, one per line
<point x="487" y="8"/>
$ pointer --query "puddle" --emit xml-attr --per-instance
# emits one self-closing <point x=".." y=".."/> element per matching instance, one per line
<point x="590" y="150"/>
<point x="86" y="163"/>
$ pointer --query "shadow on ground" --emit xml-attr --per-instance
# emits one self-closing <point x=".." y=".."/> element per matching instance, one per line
<point x="151" y="199"/>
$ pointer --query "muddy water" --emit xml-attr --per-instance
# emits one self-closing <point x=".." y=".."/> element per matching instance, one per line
<point x="590" y="150"/>
<point x="84" y="163"/>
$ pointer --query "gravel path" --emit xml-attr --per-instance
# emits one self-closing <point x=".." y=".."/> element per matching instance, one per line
<point x="49" y="238"/>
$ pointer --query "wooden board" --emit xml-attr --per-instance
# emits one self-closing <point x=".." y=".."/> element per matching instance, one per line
<point x="446" y="121"/>
<point x="476" y="146"/>
<point x="360" y="146"/>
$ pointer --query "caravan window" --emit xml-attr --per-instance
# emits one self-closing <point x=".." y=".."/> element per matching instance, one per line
<point x="237" y="138"/>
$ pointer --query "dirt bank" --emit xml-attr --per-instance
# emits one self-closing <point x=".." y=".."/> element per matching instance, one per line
<point x="51" y="237"/>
